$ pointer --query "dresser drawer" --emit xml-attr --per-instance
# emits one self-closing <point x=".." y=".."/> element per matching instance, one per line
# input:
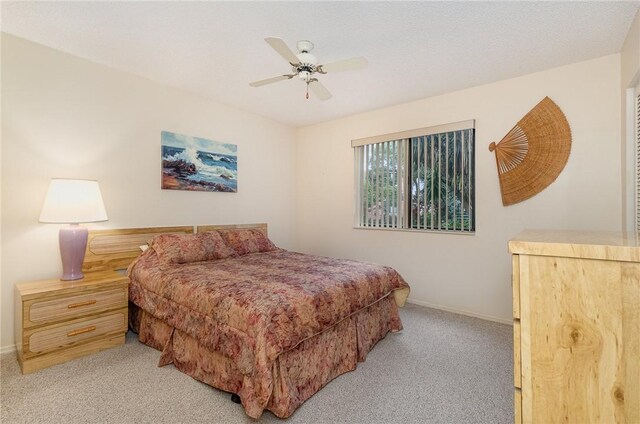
<point x="67" y="334"/>
<point x="68" y="307"/>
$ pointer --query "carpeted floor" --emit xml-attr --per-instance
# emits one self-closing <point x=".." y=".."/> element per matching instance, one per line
<point x="442" y="368"/>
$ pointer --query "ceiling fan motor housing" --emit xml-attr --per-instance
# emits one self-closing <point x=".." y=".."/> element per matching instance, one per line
<point x="307" y="59"/>
<point x="307" y="62"/>
<point x="307" y="65"/>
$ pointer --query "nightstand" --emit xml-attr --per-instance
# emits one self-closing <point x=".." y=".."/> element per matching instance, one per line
<point x="57" y="321"/>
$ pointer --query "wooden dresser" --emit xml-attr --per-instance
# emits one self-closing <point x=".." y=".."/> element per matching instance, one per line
<point x="57" y="321"/>
<point x="576" y="310"/>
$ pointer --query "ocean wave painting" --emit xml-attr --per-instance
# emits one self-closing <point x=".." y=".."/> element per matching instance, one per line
<point x="193" y="163"/>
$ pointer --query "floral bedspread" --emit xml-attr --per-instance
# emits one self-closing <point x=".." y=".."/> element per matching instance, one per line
<point x="254" y="307"/>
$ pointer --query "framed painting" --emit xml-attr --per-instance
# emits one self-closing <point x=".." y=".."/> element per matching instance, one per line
<point x="193" y="163"/>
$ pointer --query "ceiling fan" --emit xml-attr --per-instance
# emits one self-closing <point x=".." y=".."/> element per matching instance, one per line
<point x="305" y="66"/>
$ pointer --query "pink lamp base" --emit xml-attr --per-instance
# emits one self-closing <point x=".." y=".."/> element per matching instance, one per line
<point x="73" y="243"/>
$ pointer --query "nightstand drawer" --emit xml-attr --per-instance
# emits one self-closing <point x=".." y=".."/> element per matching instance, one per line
<point x="41" y="312"/>
<point x="59" y="336"/>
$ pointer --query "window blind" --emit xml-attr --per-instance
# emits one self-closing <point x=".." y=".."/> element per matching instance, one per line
<point x="381" y="185"/>
<point x="417" y="180"/>
<point x="441" y="187"/>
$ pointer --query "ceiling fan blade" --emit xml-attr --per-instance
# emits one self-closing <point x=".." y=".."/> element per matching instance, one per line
<point x="344" y="65"/>
<point x="281" y="47"/>
<point x="319" y="90"/>
<point x="271" y="80"/>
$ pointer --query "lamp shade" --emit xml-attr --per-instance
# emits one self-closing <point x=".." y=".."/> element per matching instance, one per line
<point x="73" y="202"/>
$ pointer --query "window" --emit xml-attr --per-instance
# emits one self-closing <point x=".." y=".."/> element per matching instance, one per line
<point x="417" y="180"/>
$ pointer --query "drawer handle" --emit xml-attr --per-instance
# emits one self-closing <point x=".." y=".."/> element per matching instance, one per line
<point x="79" y="304"/>
<point x="81" y="331"/>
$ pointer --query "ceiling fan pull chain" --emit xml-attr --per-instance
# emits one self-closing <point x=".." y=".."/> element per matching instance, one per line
<point x="307" y="96"/>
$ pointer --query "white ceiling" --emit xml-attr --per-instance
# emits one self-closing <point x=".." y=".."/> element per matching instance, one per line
<point x="414" y="49"/>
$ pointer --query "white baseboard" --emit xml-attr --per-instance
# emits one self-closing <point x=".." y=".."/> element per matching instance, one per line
<point x="460" y="311"/>
<point x="7" y="349"/>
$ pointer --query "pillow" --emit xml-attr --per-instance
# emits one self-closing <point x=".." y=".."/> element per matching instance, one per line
<point x="247" y="241"/>
<point x="187" y="248"/>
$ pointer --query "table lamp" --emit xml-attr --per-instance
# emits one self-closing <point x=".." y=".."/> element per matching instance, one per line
<point x="72" y="202"/>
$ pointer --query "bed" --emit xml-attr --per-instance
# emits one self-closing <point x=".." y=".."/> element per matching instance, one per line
<point x="269" y="325"/>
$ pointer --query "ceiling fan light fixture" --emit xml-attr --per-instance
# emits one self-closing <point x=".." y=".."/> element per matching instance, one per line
<point x="304" y="75"/>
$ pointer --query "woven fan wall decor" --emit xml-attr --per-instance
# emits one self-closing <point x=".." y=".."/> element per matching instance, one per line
<point x="532" y="155"/>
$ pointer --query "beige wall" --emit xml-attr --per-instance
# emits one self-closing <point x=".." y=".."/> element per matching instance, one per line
<point x="630" y="55"/>
<point x="470" y="273"/>
<point x="66" y="117"/>
<point x="629" y="79"/>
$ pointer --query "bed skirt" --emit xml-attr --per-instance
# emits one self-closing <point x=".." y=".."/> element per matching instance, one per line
<point x="297" y="373"/>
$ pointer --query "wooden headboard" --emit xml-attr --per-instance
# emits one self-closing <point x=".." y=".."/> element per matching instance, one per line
<point x="204" y="228"/>
<point x="109" y="250"/>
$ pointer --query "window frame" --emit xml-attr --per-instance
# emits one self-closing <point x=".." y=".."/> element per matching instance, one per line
<point x="406" y="137"/>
